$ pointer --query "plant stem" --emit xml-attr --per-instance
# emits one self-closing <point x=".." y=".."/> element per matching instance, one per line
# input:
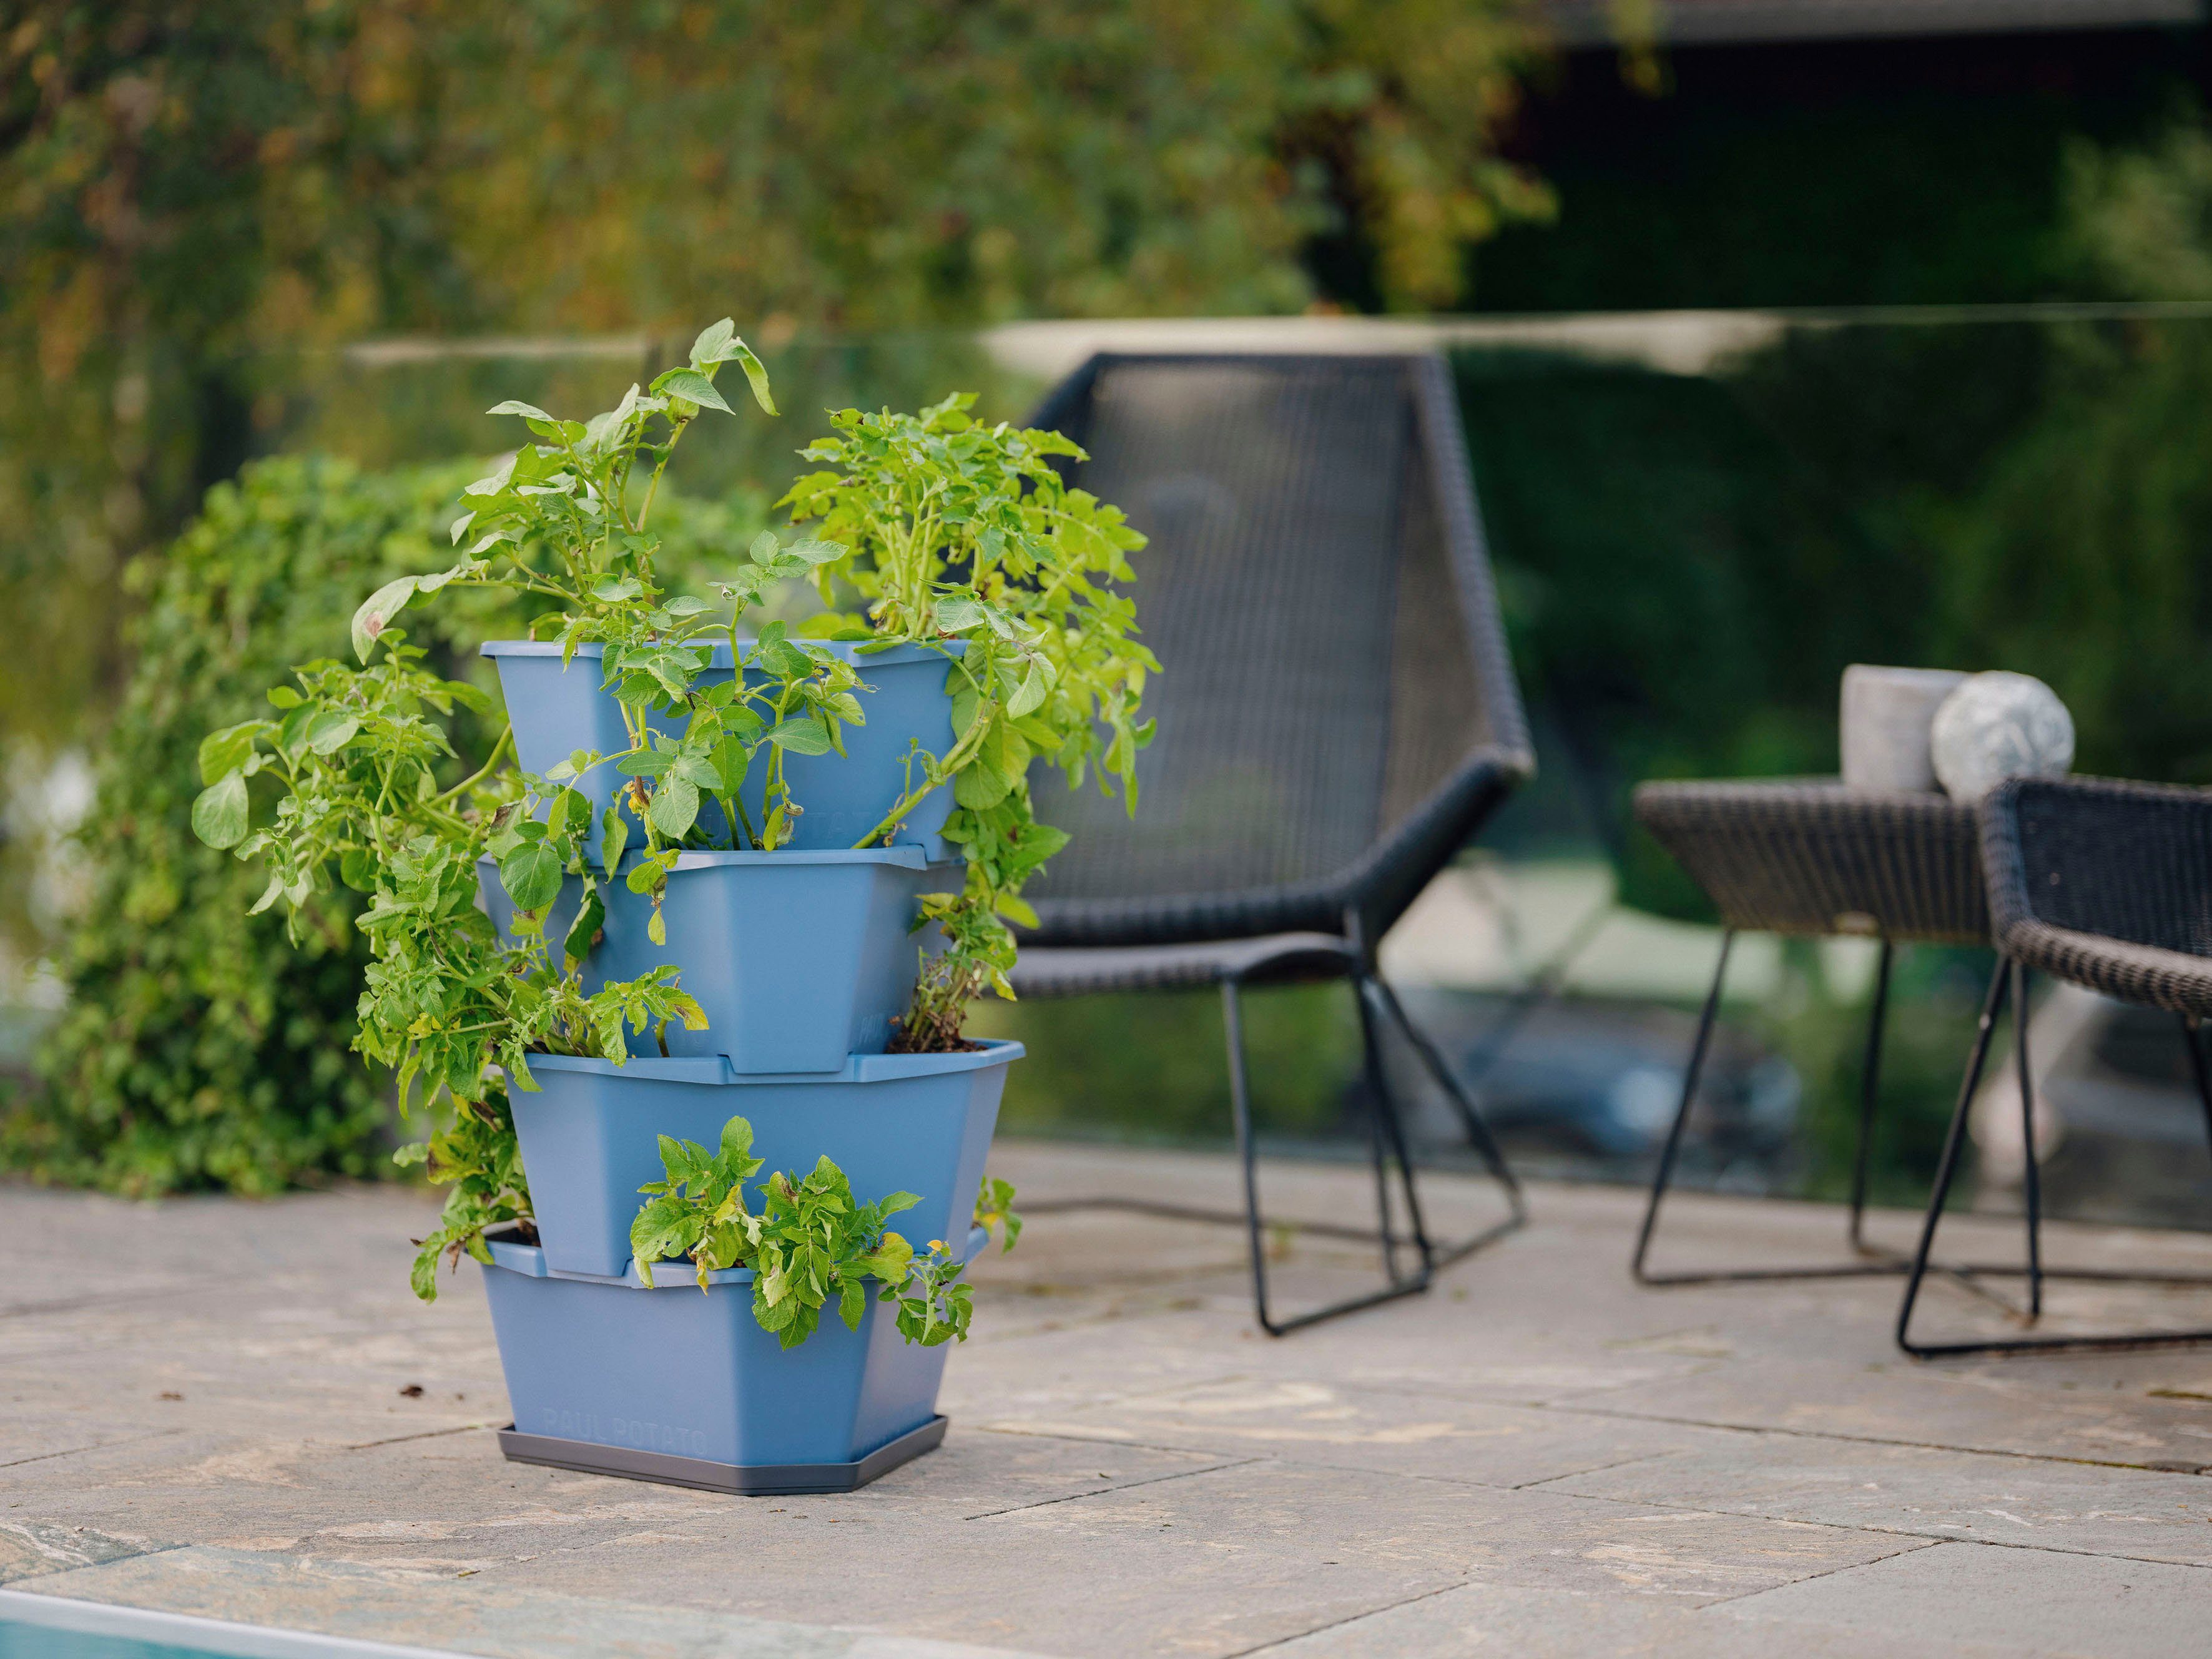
<point x="955" y="758"/>
<point x="485" y="771"/>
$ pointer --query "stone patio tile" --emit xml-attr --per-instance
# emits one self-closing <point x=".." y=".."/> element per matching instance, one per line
<point x="2047" y="1504"/>
<point x="1179" y="1483"/>
<point x="997" y="1373"/>
<point x="1304" y="1421"/>
<point x="33" y="1549"/>
<point x="1495" y="1621"/>
<point x="2013" y="1406"/>
<point x="452" y="1502"/>
<point x="2029" y="1601"/>
<point x="1213" y="1563"/>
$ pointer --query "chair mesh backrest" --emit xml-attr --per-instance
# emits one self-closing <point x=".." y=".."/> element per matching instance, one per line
<point x="1319" y="681"/>
<point x="2137" y="866"/>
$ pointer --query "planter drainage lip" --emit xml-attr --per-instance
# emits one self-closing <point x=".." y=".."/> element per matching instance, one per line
<point x="905" y="855"/>
<point x="529" y="1261"/>
<point x="716" y="1070"/>
<point x="741" y="1480"/>
<point x="850" y="650"/>
<point x="901" y="855"/>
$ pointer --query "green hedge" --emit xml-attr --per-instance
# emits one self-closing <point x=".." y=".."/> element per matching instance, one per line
<point x="198" y="1048"/>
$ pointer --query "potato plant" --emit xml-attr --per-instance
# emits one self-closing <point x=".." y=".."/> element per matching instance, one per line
<point x="810" y="1243"/>
<point x="951" y="531"/>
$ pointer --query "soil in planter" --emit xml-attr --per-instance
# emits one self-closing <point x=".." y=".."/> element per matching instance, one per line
<point x="937" y="1036"/>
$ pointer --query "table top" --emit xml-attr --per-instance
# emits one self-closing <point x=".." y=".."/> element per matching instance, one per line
<point x="1809" y="856"/>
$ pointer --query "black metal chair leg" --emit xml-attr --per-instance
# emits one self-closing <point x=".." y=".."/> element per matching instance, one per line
<point x="1387" y="1132"/>
<point x="1440" y="1256"/>
<point x="2193" y="1036"/>
<point x="2031" y="1179"/>
<point x="1869" y="1087"/>
<point x="1377" y="1143"/>
<point x="1947" y="1166"/>
<point x="2004" y="978"/>
<point x="1470" y="1115"/>
<point x="1386" y="1145"/>
<point x="1240" y="1112"/>
<point x="1673" y="1142"/>
<point x="1672" y="1149"/>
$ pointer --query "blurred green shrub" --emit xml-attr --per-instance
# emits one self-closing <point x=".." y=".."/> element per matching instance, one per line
<point x="1150" y="1066"/>
<point x="197" y="1048"/>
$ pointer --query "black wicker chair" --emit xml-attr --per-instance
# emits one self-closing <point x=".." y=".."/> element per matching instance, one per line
<point x="1811" y="858"/>
<point x="1337" y="717"/>
<point x="2108" y="885"/>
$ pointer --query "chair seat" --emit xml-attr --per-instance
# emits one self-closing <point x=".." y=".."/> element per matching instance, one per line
<point x="1274" y="958"/>
<point x="1810" y="857"/>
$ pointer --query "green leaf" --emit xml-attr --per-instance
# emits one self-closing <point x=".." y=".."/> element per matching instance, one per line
<point x="377" y="612"/>
<point x="713" y="342"/>
<point x="614" y="837"/>
<point x="1031" y="696"/>
<point x="852" y="1303"/>
<point x="730" y="763"/>
<point x="958" y="616"/>
<point x="802" y="735"/>
<point x="219" y="814"/>
<point x="531" y="875"/>
<point x="674" y="807"/>
<point x="331" y="730"/>
<point x="515" y="406"/>
<point x="755" y="376"/>
<point x="225" y="752"/>
<point x="590" y="916"/>
<point x="694" y="387"/>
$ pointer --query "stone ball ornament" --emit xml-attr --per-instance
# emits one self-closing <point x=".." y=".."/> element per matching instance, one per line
<point x="2000" y="725"/>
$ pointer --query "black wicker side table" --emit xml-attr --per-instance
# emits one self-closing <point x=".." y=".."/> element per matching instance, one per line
<point x="1810" y="858"/>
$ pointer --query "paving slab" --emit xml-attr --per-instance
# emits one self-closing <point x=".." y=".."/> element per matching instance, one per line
<point x="2048" y="1503"/>
<point x="246" y="1416"/>
<point x="1344" y="1426"/>
<point x="1215" y="1562"/>
<point x="1492" y="1621"/>
<point x="2029" y="1601"/>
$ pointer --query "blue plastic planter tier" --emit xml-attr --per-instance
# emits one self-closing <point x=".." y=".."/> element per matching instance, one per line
<point x="591" y="1136"/>
<point x="799" y="959"/>
<point x="558" y="709"/>
<point x="610" y="1376"/>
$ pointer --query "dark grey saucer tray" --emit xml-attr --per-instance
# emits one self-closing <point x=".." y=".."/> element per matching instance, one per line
<point x="746" y="1480"/>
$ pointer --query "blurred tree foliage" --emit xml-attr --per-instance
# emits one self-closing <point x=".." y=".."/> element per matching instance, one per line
<point x="198" y="1048"/>
<point x="184" y="188"/>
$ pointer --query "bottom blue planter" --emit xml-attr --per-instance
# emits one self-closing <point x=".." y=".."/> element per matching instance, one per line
<point x="591" y="1136"/>
<point x="668" y="1384"/>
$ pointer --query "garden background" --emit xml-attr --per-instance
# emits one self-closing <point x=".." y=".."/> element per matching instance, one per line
<point x="262" y="267"/>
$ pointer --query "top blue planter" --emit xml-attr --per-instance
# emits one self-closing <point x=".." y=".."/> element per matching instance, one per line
<point x="558" y="709"/>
